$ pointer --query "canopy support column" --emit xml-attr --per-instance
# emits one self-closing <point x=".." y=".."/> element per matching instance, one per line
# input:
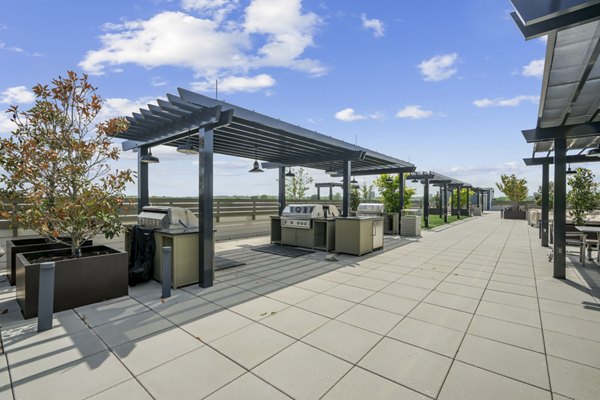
<point x="445" y="202"/>
<point x="440" y="199"/>
<point x="468" y="201"/>
<point x="560" y="207"/>
<point x="458" y="188"/>
<point x="401" y="191"/>
<point x="330" y="193"/>
<point x="143" y="199"/>
<point x="281" y="194"/>
<point x="318" y="193"/>
<point x="206" y="234"/>
<point x="426" y="202"/>
<point x="545" y="204"/>
<point x="346" y="188"/>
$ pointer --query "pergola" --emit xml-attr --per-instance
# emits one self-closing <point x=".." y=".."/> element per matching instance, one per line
<point x="329" y="185"/>
<point x="212" y="126"/>
<point x="568" y="123"/>
<point x="445" y="183"/>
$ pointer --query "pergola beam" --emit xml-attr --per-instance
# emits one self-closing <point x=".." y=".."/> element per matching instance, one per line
<point x="562" y="132"/>
<point x="573" y="159"/>
<point x="349" y="155"/>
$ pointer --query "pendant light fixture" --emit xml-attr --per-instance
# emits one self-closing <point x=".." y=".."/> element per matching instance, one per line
<point x="187" y="148"/>
<point x="255" y="166"/>
<point x="570" y="171"/>
<point x="290" y="174"/>
<point x="149" y="158"/>
<point x="389" y="179"/>
<point x="594" y="152"/>
<point x="330" y="170"/>
<point x="415" y="181"/>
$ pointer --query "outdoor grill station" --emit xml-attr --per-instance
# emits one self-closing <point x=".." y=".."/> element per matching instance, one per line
<point x="202" y="126"/>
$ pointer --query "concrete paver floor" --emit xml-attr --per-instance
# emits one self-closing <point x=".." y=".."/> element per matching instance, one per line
<point x="469" y="311"/>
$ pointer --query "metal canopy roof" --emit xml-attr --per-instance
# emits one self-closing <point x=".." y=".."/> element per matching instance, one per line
<point x="243" y="133"/>
<point x="436" y="177"/>
<point x="570" y="98"/>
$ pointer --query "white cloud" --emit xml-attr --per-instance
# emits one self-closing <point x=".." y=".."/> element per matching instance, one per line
<point x="439" y="67"/>
<point x="120" y="107"/>
<point x="272" y="33"/>
<point x="534" y="69"/>
<point x="349" y="115"/>
<point x="414" y="112"/>
<point x="502" y="102"/>
<point x="6" y="125"/>
<point x="232" y="84"/>
<point x="157" y="81"/>
<point x="17" y="95"/>
<point x="374" y="24"/>
<point x="215" y="9"/>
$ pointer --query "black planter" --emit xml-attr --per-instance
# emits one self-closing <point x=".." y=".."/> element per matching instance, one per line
<point x="16" y="246"/>
<point x="77" y="282"/>
<point x="512" y="214"/>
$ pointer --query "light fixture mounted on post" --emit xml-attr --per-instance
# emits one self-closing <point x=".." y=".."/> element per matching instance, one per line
<point x="255" y="166"/>
<point x="149" y="158"/>
<point x="290" y="174"/>
<point x="188" y="148"/>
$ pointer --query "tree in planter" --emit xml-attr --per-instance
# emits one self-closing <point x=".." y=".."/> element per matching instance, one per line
<point x="538" y="195"/>
<point x="57" y="161"/>
<point x="354" y="197"/>
<point x="366" y="192"/>
<point x="514" y="188"/>
<point x="390" y="194"/>
<point x="464" y="193"/>
<point x="583" y="196"/>
<point x="297" y="185"/>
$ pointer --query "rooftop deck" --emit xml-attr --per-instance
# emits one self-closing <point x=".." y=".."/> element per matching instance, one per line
<point x="468" y="312"/>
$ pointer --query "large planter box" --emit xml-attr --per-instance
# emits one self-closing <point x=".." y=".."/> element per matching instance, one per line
<point x="511" y="214"/>
<point x="77" y="282"/>
<point x="16" y="246"/>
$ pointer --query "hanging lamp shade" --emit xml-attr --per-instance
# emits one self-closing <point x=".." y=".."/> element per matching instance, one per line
<point x="290" y="174"/>
<point x="187" y="148"/>
<point x="255" y="166"/>
<point x="594" y="152"/>
<point x="330" y="170"/>
<point x="149" y="158"/>
<point x="389" y="179"/>
<point x="570" y="171"/>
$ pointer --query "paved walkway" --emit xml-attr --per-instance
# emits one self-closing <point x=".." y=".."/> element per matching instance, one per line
<point x="468" y="312"/>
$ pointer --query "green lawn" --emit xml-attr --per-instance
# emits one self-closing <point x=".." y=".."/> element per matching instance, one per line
<point x="435" y="220"/>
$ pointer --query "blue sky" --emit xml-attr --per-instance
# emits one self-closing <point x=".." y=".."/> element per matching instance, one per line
<point x="446" y="85"/>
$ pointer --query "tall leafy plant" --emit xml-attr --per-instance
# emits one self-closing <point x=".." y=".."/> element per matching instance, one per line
<point x="297" y="185"/>
<point x="58" y="161"/>
<point x="538" y="195"/>
<point x="514" y="188"/>
<point x="583" y="196"/>
<point x="390" y="194"/>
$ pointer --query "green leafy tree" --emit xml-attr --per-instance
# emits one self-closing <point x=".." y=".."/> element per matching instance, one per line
<point x="354" y="197"/>
<point x="366" y="192"/>
<point x="538" y="195"/>
<point x="390" y="194"/>
<point x="464" y="193"/>
<point x="297" y="185"/>
<point x="514" y="188"/>
<point x="583" y="196"/>
<point x="58" y="161"/>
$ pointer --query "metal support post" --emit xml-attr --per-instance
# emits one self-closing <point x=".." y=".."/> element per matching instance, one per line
<point x="281" y="197"/>
<point x="318" y="193"/>
<point x="401" y="191"/>
<point x="330" y="193"/>
<point x="206" y="235"/>
<point x="143" y="199"/>
<point x="346" y="189"/>
<point x="458" y="201"/>
<point x="46" y="296"/>
<point x="440" y="201"/>
<point x="545" y="204"/>
<point x="446" y="203"/>
<point x="167" y="253"/>
<point x="426" y="202"/>
<point x="560" y="207"/>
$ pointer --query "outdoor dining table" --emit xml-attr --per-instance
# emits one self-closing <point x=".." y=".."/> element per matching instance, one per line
<point x="585" y="229"/>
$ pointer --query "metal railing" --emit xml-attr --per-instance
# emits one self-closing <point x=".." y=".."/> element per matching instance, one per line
<point x="222" y="208"/>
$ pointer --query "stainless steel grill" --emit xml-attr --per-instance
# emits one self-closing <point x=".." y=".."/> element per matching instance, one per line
<point x="167" y="218"/>
<point x="370" y="210"/>
<point x="300" y="216"/>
